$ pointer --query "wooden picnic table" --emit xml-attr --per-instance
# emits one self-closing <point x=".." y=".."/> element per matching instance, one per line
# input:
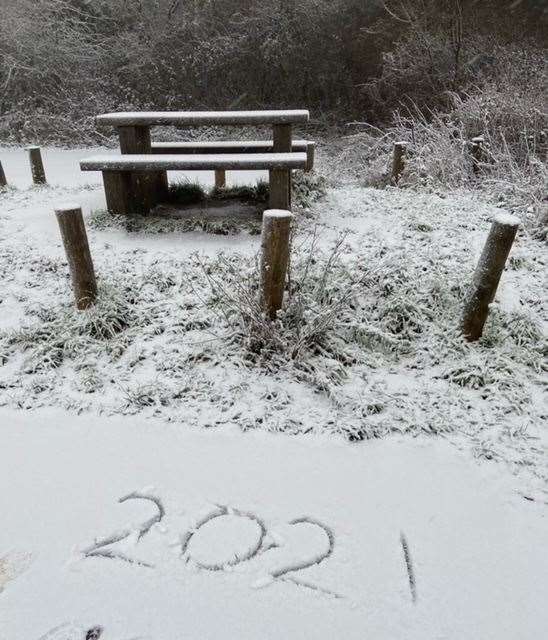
<point x="135" y="139"/>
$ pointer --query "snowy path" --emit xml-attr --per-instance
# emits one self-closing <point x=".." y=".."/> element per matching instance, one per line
<point x="476" y="547"/>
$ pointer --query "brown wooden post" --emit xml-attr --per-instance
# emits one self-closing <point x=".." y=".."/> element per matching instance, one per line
<point x="3" y="181"/>
<point x="147" y="189"/>
<point x="487" y="275"/>
<point x="280" y="179"/>
<point x="36" y="165"/>
<point x="75" y="241"/>
<point x="477" y="152"/>
<point x="220" y="178"/>
<point x="310" y="151"/>
<point x="274" y="258"/>
<point x="398" y="161"/>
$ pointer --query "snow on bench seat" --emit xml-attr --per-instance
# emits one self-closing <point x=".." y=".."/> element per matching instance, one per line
<point x="151" y="162"/>
<point x="190" y="118"/>
<point x="233" y="146"/>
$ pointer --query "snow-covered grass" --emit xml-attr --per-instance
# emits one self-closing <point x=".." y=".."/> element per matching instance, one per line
<point x="368" y="342"/>
<point x="390" y="536"/>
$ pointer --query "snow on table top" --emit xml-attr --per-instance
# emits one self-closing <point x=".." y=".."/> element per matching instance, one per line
<point x="145" y="162"/>
<point x="187" y="118"/>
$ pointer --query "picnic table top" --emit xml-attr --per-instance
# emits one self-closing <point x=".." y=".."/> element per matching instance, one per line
<point x="150" y="118"/>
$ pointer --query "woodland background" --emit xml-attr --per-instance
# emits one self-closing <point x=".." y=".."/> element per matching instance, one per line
<point x="64" y="61"/>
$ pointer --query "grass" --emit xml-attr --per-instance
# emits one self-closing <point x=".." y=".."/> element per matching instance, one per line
<point x="367" y="343"/>
<point x="308" y="188"/>
<point x="186" y="192"/>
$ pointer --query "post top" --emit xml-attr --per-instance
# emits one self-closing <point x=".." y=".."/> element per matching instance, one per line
<point x="507" y="220"/>
<point x="278" y="213"/>
<point x="67" y="207"/>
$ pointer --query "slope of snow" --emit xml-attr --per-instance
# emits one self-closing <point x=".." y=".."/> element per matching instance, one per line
<point x="477" y="549"/>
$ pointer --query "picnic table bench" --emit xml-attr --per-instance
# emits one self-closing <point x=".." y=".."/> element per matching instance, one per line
<point x="136" y="180"/>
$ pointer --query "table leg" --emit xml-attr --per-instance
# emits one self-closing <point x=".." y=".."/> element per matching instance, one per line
<point x="283" y="143"/>
<point x="148" y="188"/>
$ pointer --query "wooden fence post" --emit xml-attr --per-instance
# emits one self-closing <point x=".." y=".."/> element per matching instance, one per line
<point x="487" y="275"/>
<point x="75" y="241"/>
<point x="36" y="165"/>
<point x="274" y="258"/>
<point x="398" y="161"/>
<point x="3" y="181"/>
<point x="477" y="152"/>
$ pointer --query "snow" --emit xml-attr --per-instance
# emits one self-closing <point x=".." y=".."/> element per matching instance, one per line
<point x="303" y="536"/>
<point x="197" y="118"/>
<point x="233" y="161"/>
<point x="477" y="548"/>
<point x="66" y="207"/>
<point x="224" y="541"/>
<point x="226" y="144"/>
<point x="277" y="213"/>
<point x="63" y="169"/>
<point x="507" y="220"/>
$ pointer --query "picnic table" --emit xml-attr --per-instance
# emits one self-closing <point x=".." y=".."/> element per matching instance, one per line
<point x="136" y="179"/>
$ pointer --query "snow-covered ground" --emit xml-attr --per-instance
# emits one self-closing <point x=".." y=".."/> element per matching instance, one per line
<point x="477" y="550"/>
<point x="158" y="411"/>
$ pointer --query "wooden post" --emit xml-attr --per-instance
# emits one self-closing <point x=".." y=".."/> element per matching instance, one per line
<point x="75" y="241"/>
<point x="280" y="179"/>
<point x="3" y="181"/>
<point x="487" y="275"/>
<point x="147" y="189"/>
<point x="477" y="152"/>
<point x="274" y="258"/>
<point x="220" y="178"/>
<point x="36" y="165"/>
<point x="398" y="161"/>
<point x="310" y="151"/>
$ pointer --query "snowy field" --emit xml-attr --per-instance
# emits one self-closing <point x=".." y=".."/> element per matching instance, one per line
<point x="390" y="480"/>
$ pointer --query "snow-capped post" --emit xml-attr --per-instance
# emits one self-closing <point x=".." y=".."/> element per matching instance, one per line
<point x="398" y="161"/>
<point x="75" y="241"/>
<point x="477" y="152"/>
<point x="3" y="181"/>
<point x="274" y="258"/>
<point x="36" y="165"/>
<point x="487" y="275"/>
